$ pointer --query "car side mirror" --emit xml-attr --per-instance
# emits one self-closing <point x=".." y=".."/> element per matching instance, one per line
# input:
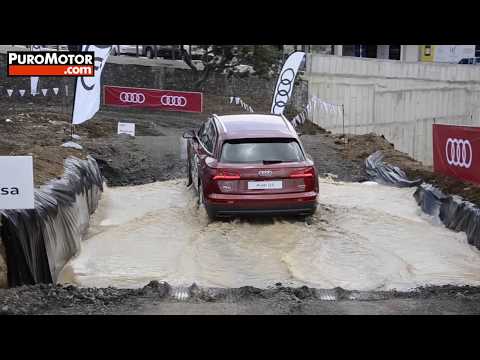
<point x="210" y="161"/>
<point x="189" y="134"/>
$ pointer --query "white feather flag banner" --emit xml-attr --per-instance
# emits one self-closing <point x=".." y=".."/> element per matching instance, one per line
<point x="87" y="92"/>
<point x="286" y="80"/>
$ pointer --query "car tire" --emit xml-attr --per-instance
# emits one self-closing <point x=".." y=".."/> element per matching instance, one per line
<point x="189" y="173"/>
<point x="114" y="51"/>
<point x="201" y="202"/>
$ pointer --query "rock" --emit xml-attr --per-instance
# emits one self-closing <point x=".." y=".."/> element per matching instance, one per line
<point x="304" y="292"/>
<point x="73" y="145"/>
<point x="155" y="287"/>
<point x="194" y="290"/>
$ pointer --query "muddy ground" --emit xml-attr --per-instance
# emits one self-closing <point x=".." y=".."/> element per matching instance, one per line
<point x="153" y="155"/>
<point x="160" y="298"/>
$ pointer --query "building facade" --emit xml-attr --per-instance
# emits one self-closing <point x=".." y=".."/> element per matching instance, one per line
<point x="406" y="53"/>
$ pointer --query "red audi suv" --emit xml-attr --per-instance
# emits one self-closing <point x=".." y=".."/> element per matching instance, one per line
<point x="251" y="164"/>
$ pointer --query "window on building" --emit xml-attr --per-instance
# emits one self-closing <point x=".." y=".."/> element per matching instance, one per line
<point x="394" y="52"/>
<point x="365" y="51"/>
<point x="322" y="49"/>
<point x="348" y="50"/>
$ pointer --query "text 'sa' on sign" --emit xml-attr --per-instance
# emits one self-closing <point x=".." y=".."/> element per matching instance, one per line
<point x="16" y="183"/>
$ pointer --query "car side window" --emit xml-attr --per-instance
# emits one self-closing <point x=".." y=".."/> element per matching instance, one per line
<point x="211" y="136"/>
<point x="202" y="132"/>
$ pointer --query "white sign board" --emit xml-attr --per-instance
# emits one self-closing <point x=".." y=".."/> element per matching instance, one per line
<point x="453" y="53"/>
<point x="126" y="128"/>
<point x="16" y="182"/>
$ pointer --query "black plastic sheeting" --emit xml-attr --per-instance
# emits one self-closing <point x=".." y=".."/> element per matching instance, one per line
<point x="387" y="174"/>
<point x="455" y="213"/>
<point x="39" y="242"/>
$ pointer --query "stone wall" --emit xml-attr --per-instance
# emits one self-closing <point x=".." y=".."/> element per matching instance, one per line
<point x="255" y="91"/>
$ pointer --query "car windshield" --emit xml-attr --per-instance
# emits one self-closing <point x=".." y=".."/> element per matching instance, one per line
<point x="261" y="150"/>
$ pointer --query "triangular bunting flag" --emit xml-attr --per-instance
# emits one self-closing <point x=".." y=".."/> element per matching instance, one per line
<point x="231" y="99"/>
<point x="44" y="92"/>
<point x="237" y="100"/>
<point x="22" y="92"/>
<point x="55" y="90"/>
<point x="9" y="92"/>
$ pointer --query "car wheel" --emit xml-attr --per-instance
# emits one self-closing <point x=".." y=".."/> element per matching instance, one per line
<point x="114" y="51"/>
<point x="189" y="173"/>
<point x="201" y="202"/>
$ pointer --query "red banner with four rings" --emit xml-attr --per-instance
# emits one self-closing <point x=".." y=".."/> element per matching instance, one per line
<point x="456" y="151"/>
<point x="129" y="97"/>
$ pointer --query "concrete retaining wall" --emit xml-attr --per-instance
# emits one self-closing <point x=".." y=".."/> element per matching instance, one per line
<point x="396" y="99"/>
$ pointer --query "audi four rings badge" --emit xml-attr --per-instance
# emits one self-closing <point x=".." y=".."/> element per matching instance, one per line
<point x="167" y="100"/>
<point x="285" y="82"/>
<point x="132" y="98"/>
<point x="458" y="152"/>
<point x="265" y="173"/>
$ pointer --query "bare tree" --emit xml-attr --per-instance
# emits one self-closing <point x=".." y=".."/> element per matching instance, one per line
<point x="233" y="60"/>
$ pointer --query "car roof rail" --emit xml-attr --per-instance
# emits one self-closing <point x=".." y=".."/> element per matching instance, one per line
<point x="289" y="124"/>
<point x="216" y="117"/>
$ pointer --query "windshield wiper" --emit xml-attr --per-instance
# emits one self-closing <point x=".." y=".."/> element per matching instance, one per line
<point x="265" y="162"/>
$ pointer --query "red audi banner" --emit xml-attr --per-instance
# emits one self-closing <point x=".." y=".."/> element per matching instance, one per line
<point x="130" y="97"/>
<point x="456" y="151"/>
